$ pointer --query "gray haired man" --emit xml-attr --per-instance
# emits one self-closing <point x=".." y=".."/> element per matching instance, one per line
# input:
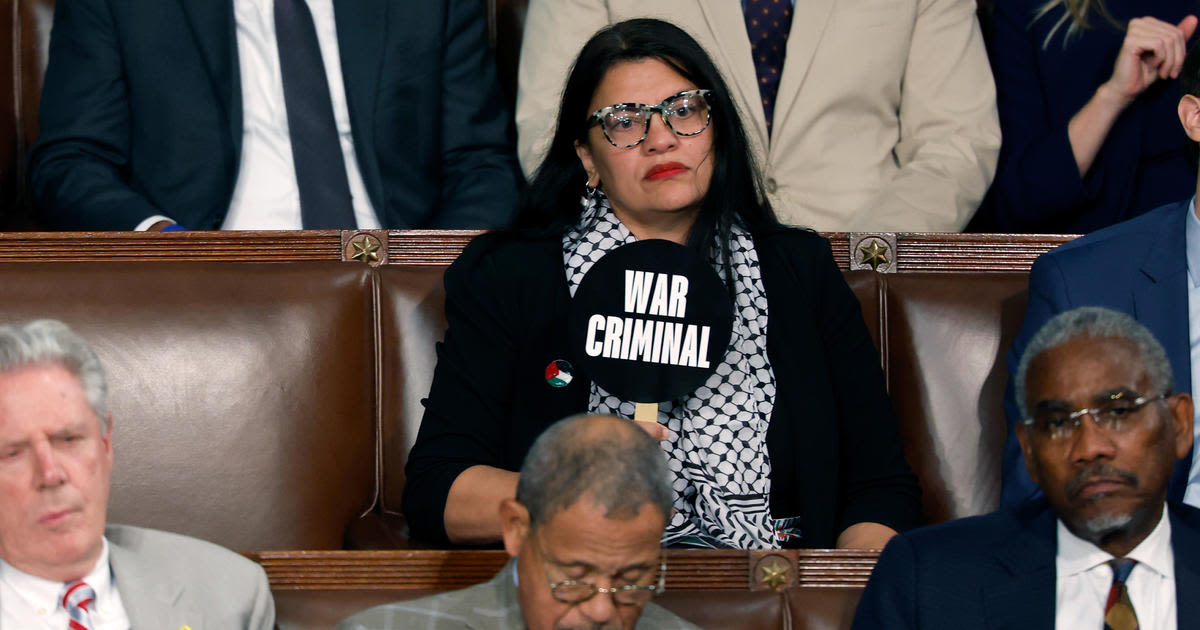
<point x="584" y="530"/>
<point x="60" y="566"/>
<point x="1101" y="431"/>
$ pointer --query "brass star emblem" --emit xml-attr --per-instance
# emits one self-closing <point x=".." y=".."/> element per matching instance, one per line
<point x="365" y="249"/>
<point x="774" y="574"/>
<point x="874" y="254"/>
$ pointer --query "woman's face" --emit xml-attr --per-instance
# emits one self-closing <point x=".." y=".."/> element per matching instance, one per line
<point x="656" y="187"/>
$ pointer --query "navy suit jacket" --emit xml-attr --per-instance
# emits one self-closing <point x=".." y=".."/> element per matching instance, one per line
<point x="1137" y="267"/>
<point x="142" y="113"/>
<point x="1144" y="160"/>
<point x="997" y="572"/>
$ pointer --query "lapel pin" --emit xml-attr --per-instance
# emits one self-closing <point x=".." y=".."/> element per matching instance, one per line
<point x="558" y="373"/>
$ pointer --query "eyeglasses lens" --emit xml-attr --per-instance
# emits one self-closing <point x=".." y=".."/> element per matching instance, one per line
<point x="577" y="592"/>
<point x="686" y="114"/>
<point x="1112" y="415"/>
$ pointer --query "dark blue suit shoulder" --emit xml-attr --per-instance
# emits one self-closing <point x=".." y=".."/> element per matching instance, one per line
<point x="1123" y="234"/>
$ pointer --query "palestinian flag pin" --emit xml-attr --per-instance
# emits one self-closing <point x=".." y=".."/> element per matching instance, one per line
<point x="558" y="373"/>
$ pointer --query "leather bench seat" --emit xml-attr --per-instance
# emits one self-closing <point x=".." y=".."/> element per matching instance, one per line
<point x="243" y="395"/>
<point x="271" y="406"/>
<point x="281" y="400"/>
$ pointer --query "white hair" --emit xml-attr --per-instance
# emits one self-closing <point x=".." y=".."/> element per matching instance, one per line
<point x="51" y="341"/>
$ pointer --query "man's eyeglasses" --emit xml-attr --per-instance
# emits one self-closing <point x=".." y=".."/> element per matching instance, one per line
<point x="627" y="124"/>
<point x="1117" y="413"/>
<point x="577" y="591"/>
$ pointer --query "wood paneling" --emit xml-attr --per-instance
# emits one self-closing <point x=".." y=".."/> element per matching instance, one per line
<point x="915" y="252"/>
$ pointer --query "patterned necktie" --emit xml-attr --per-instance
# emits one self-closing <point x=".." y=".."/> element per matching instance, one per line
<point x="768" y="23"/>
<point x="77" y="597"/>
<point x="1118" y="612"/>
<point x="325" y="202"/>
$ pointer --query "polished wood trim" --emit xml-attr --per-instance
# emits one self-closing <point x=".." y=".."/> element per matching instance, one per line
<point x="427" y="247"/>
<point x="974" y="252"/>
<point x="445" y="570"/>
<point x="926" y="252"/>
<point x="265" y="246"/>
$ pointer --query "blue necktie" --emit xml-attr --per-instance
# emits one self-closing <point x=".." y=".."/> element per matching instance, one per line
<point x="325" y="202"/>
<point x="767" y="24"/>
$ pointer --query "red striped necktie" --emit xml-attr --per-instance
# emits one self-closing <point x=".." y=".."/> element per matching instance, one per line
<point x="77" y="598"/>
<point x="1118" y="611"/>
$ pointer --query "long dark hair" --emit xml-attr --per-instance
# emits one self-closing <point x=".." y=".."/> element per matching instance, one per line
<point x="550" y="205"/>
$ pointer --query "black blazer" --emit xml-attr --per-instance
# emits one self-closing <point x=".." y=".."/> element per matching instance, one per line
<point x="997" y="572"/>
<point x="1144" y="160"/>
<point x="142" y="113"/>
<point x="836" y="455"/>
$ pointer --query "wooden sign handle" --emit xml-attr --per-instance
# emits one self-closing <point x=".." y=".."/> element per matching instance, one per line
<point x="646" y="412"/>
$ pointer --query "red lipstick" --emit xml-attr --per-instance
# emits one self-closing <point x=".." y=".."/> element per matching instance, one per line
<point x="665" y="170"/>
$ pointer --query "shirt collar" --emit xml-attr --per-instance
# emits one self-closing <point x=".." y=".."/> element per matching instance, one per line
<point x="1076" y="555"/>
<point x="45" y="593"/>
<point x="1192" y="245"/>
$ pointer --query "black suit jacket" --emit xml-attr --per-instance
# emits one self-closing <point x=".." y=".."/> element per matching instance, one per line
<point x="997" y="572"/>
<point x="142" y="113"/>
<point x="836" y="455"/>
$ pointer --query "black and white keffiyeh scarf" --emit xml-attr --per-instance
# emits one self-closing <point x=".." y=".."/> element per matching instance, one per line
<point x="717" y="453"/>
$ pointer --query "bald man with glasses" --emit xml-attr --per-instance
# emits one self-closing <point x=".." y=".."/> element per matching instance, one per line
<point x="583" y="533"/>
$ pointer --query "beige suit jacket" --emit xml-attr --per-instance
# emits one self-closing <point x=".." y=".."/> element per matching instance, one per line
<point x="885" y="118"/>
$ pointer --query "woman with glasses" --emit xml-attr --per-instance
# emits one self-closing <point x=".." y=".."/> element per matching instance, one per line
<point x="792" y="441"/>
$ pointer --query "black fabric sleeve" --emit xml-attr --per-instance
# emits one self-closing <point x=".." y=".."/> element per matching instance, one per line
<point x="78" y="166"/>
<point x="1037" y="181"/>
<point x="889" y="601"/>
<point x="480" y="175"/>
<point x="466" y="414"/>
<point x="876" y="483"/>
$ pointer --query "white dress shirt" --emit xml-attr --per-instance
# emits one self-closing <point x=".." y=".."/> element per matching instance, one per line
<point x="266" y="196"/>
<point x="32" y="603"/>
<point x="1084" y="580"/>
<point x="1191" y="495"/>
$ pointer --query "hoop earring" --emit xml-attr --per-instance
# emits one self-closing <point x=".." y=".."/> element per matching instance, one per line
<point x="590" y="191"/>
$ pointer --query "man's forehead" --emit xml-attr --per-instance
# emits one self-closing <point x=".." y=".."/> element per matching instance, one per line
<point x="583" y="533"/>
<point x="1085" y="367"/>
<point x="44" y="398"/>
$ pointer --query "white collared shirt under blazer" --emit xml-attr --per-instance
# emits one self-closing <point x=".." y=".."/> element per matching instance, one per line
<point x="1084" y="579"/>
<point x="28" y="602"/>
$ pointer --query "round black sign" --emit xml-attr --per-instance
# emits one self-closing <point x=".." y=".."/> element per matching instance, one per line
<point x="650" y="321"/>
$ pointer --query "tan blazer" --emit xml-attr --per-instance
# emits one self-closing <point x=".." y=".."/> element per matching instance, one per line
<point x="885" y="118"/>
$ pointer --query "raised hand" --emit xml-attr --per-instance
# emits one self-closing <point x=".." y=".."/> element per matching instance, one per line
<point x="1152" y="50"/>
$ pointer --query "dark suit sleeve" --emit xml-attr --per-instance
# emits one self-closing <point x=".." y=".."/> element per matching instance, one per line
<point x="1037" y="180"/>
<point x="890" y="600"/>
<point x="466" y="414"/>
<point x="876" y="485"/>
<point x="479" y="167"/>
<point x="80" y="163"/>
<point x="1047" y="298"/>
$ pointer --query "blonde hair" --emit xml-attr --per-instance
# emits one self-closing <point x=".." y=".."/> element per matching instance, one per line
<point x="1076" y="13"/>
